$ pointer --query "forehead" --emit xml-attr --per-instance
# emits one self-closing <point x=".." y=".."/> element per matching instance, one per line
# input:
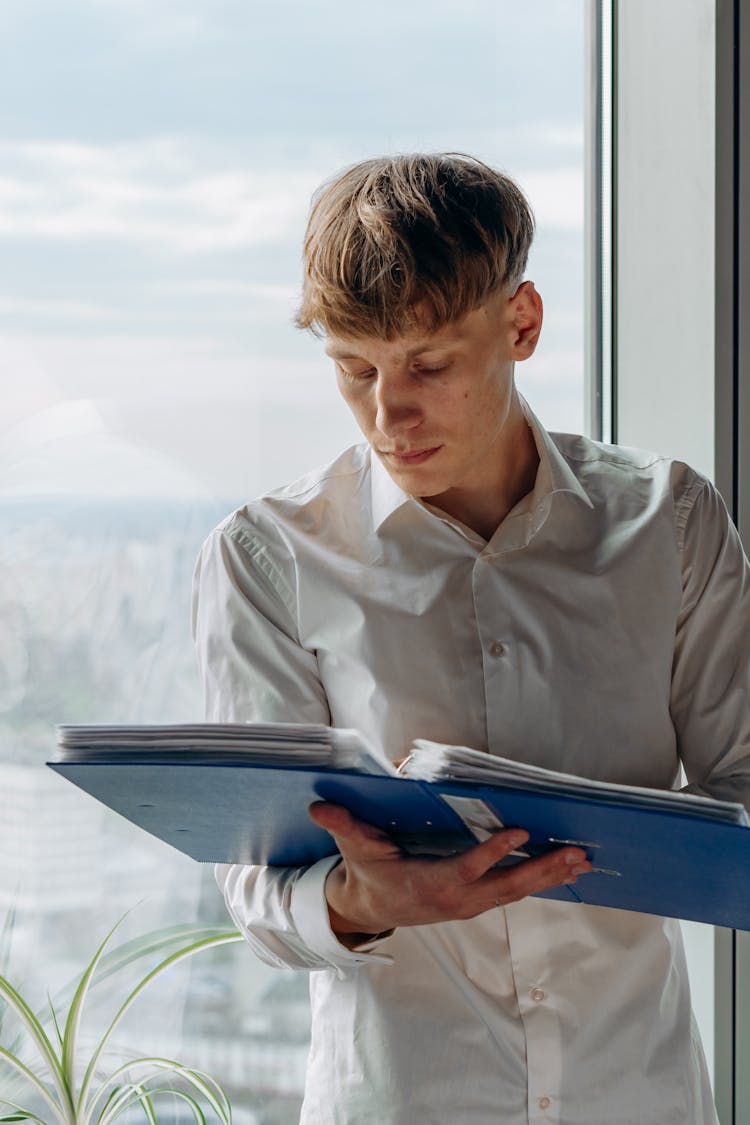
<point x="415" y="342"/>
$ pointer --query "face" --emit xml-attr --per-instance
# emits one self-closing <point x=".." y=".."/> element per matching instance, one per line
<point x="440" y="409"/>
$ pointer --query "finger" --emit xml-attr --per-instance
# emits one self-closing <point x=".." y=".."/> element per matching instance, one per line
<point x="474" y="863"/>
<point x="532" y="875"/>
<point x="355" y="839"/>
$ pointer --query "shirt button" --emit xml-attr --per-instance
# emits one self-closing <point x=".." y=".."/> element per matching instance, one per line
<point x="545" y="1103"/>
<point x="537" y="994"/>
<point x="496" y="648"/>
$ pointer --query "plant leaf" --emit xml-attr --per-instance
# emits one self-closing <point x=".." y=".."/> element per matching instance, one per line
<point x="37" y="1083"/>
<point x="65" y="1108"/>
<point x="197" y="1111"/>
<point x="123" y="955"/>
<point x="150" y="943"/>
<point x="223" y="938"/>
<point x="202" y="1083"/>
<point x="6" y="935"/>
<point x="21" y="1114"/>
<point x="138" y="1094"/>
<point x="53" y="1015"/>
<point x="148" y="1109"/>
<point x="72" y="1023"/>
<point x="122" y="1070"/>
<point x="205" y="1085"/>
<point x="119" y="1099"/>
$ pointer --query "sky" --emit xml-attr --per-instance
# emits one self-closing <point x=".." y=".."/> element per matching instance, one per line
<point x="156" y="165"/>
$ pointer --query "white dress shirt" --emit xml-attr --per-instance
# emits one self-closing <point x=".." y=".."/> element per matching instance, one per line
<point x="603" y="630"/>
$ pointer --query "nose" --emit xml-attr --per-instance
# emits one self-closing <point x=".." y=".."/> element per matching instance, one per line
<point x="398" y="406"/>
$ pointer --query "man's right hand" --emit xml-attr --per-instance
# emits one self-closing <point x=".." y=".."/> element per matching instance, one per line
<point x="377" y="888"/>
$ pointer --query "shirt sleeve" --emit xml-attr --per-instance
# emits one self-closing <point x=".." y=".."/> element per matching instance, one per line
<point x="710" y="697"/>
<point x="253" y="669"/>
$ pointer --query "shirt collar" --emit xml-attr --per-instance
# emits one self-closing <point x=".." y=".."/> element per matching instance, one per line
<point x="385" y="495"/>
<point x="553" y="476"/>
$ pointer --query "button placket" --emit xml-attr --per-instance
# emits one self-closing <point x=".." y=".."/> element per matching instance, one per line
<point x="530" y="945"/>
<point x="494" y="614"/>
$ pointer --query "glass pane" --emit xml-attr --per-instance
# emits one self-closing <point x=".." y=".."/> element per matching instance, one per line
<point x="157" y="163"/>
<point x="699" y="949"/>
<point x="665" y="379"/>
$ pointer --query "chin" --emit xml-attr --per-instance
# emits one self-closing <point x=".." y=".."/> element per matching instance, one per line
<point x="420" y="485"/>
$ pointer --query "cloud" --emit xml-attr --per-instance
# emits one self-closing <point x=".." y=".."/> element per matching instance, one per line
<point x="168" y="22"/>
<point x="556" y="196"/>
<point x="137" y="369"/>
<point x="181" y="196"/>
<point x="272" y="293"/>
<point x="69" y="449"/>
<point x="162" y="191"/>
<point x="80" y="312"/>
<point x="545" y="369"/>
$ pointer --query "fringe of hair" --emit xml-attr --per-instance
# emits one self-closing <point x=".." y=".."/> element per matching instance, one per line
<point x="391" y="239"/>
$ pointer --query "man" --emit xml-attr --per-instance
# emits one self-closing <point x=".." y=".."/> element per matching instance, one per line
<point x="467" y="577"/>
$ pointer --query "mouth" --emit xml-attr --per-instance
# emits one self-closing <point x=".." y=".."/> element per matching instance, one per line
<point x="415" y="457"/>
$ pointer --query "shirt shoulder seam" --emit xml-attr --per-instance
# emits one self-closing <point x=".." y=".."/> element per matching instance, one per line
<point x="255" y="549"/>
<point x="685" y="505"/>
<point x="287" y="493"/>
<point x="610" y="459"/>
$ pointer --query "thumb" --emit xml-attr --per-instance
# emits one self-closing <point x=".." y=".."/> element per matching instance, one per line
<point x="355" y="839"/>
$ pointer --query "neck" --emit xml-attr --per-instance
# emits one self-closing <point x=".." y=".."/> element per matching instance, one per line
<point x="484" y="506"/>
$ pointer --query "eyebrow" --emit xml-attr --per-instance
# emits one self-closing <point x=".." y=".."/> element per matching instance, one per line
<point x="424" y="346"/>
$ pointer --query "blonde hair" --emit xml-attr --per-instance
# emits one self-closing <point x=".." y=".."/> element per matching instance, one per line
<point x="428" y="234"/>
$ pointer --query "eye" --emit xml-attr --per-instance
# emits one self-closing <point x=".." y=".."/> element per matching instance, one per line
<point x="432" y="368"/>
<point x="356" y="376"/>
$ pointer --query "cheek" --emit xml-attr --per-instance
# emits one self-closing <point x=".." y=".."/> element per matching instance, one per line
<point x="494" y="399"/>
<point x="360" y="407"/>
<point x="484" y="413"/>
<point x="347" y="392"/>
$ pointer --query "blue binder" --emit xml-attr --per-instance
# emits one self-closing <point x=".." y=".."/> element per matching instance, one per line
<point x="679" y="864"/>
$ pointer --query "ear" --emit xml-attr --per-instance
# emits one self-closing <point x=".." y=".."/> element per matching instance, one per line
<point x="527" y="313"/>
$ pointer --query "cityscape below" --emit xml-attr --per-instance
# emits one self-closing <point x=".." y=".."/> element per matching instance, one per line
<point x="95" y="612"/>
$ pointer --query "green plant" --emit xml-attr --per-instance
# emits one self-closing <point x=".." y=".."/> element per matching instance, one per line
<point x="92" y="1099"/>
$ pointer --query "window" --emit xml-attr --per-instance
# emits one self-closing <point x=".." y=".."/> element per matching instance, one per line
<point x="664" y="282"/>
<point x="157" y="163"/>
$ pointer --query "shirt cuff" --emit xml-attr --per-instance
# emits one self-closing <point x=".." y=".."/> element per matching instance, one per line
<point x="309" y="910"/>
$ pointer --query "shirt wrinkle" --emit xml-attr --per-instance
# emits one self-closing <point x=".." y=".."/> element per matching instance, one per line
<point x="256" y="551"/>
<point x="311" y="482"/>
<point x="685" y="507"/>
<point x="605" y="454"/>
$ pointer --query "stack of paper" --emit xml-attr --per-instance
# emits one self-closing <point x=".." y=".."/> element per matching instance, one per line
<point x="433" y="761"/>
<point x="262" y="744"/>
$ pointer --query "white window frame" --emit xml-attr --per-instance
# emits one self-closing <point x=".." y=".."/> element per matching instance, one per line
<point x="624" y="84"/>
<point x="732" y="428"/>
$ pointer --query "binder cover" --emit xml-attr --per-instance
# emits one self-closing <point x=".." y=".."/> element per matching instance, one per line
<point x="679" y="864"/>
